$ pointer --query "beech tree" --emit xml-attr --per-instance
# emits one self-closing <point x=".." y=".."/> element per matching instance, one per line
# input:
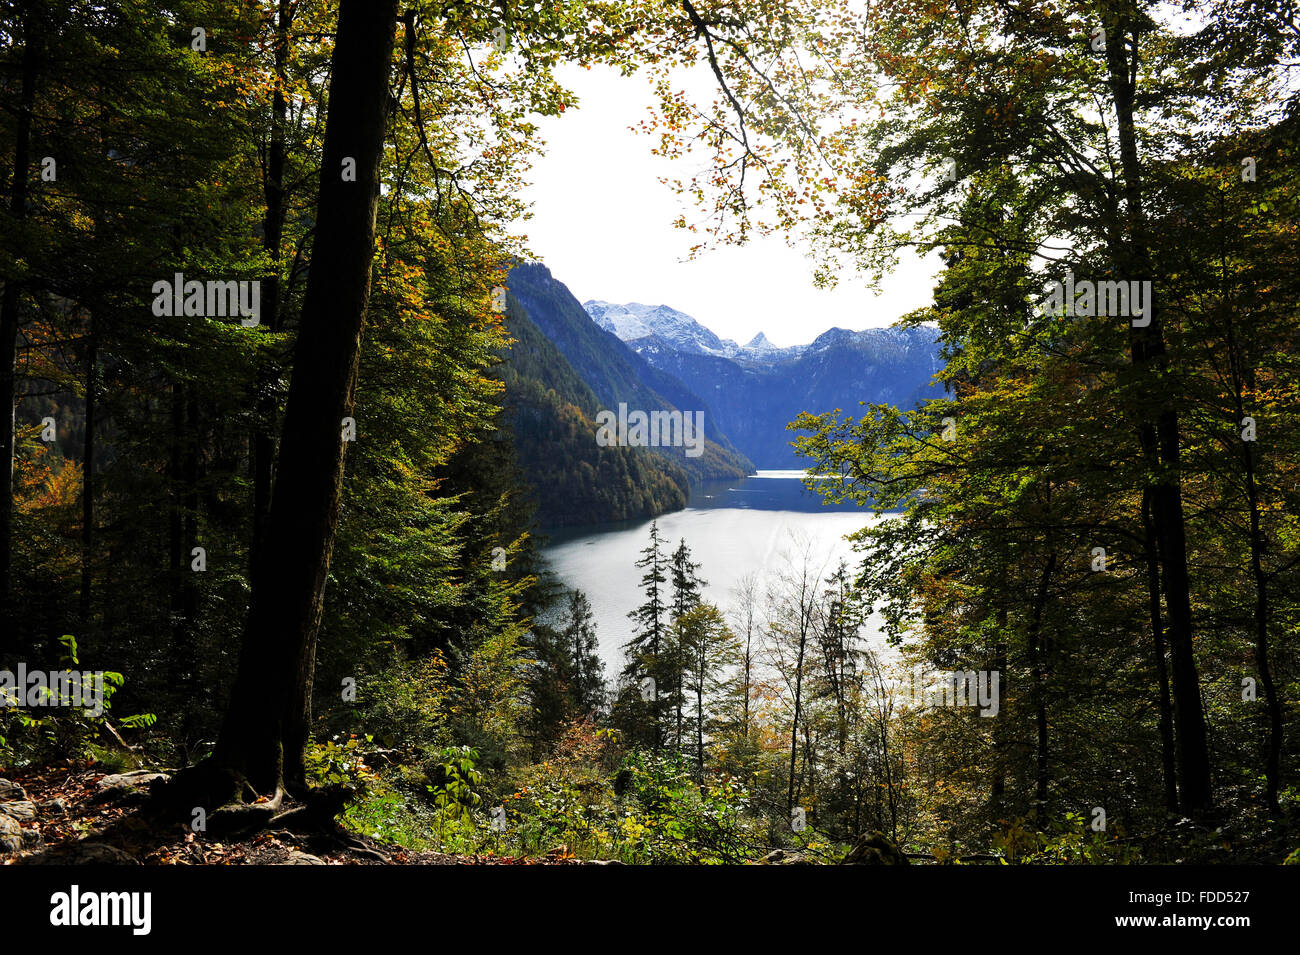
<point x="266" y="724"/>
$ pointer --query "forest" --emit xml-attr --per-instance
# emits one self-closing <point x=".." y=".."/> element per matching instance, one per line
<point x="288" y="430"/>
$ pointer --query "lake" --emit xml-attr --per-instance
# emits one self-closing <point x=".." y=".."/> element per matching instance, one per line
<point x="732" y="528"/>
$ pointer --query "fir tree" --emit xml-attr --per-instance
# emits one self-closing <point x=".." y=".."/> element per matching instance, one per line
<point x="686" y="597"/>
<point x="645" y="651"/>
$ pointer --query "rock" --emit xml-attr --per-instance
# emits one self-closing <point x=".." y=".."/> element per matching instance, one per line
<point x="83" y="853"/>
<point x="785" y="857"/>
<point x="122" y="785"/>
<point x="19" y="809"/>
<point x="10" y="790"/>
<point x="11" y="834"/>
<point x="135" y="779"/>
<point x="874" y="849"/>
<point x="303" y="858"/>
<point x="32" y="838"/>
<point x="55" y="805"/>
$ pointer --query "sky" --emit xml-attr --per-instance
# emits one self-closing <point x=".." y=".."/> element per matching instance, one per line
<point x="602" y="223"/>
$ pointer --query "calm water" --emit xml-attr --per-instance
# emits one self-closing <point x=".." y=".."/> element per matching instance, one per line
<point x="732" y="527"/>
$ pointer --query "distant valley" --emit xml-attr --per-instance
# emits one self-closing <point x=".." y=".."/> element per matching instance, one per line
<point x="571" y="361"/>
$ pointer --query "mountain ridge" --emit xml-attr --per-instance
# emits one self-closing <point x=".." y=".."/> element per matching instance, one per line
<point x="755" y="390"/>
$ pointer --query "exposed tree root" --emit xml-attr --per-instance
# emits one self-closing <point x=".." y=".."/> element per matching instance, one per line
<point x="316" y="810"/>
<point x="227" y="803"/>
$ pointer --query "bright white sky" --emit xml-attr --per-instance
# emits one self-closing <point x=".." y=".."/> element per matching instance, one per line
<point x="603" y="224"/>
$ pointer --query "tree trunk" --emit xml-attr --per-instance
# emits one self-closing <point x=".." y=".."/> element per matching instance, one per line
<point x="1273" y="706"/>
<point x="1037" y="655"/>
<point x="794" y="725"/>
<point x="9" y="302"/>
<point x="744" y="707"/>
<point x="1159" y="437"/>
<point x="998" y="783"/>
<point x="177" y="566"/>
<point x="699" y="718"/>
<point x="1273" y="754"/>
<point x="263" y="446"/>
<point x="87" y="476"/>
<point x="183" y="478"/>
<point x="266" y="725"/>
<point x="1167" y="759"/>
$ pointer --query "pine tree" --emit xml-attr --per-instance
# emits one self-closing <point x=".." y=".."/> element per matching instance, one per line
<point x="686" y="585"/>
<point x="587" y="681"/>
<point x="645" y="667"/>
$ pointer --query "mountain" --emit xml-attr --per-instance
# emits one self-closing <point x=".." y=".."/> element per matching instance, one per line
<point x="617" y="374"/>
<point x="760" y="347"/>
<point x="570" y="362"/>
<point x="551" y="417"/>
<point x="755" y="390"/>
<point x="559" y="373"/>
<point x="634" y="321"/>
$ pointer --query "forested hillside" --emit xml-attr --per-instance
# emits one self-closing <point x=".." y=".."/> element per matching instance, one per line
<point x="288" y="414"/>
<point x="617" y="374"/>
<point x="551" y="417"/>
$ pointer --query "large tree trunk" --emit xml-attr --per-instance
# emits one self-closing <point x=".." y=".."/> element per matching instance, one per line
<point x="1159" y="437"/>
<point x="9" y="302"/>
<point x="265" y="729"/>
<point x="263" y="439"/>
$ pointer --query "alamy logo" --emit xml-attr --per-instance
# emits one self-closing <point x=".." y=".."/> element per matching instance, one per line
<point x="658" y="429"/>
<point x="927" y="688"/>
<point x="132" y="909"/>
<point x="30" y="688"/>
<point x="210" y="299"/>
<point x="1086" y="299"/>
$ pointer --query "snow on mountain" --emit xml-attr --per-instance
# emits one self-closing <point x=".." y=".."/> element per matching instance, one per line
<point x="659" y="328"/>
<point x="755" y="390"/>
<point x="634" y="321"/>
<point x="759" y="346"/>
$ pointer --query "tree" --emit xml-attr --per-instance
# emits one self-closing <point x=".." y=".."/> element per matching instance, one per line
<point x="32" y="30"/>
<point x="794" y="606"/>
<point x="746" y="626"/>
<point x="588" y="681"/>
<point x="1005" y="154"/>
<point x="709" y="649"/>
<point x="646" y="651"/>
<point x="265" y="730"/>
<point x="686" y="584"/>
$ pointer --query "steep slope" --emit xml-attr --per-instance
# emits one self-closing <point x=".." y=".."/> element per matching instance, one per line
<point x="552" y="415"/>
<point x="617" y="374"/>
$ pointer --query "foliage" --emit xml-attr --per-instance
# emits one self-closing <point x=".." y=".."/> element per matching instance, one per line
<point x="58" y="729"/>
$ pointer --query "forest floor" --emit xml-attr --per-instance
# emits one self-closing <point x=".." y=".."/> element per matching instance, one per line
<point x="80" y="815"/>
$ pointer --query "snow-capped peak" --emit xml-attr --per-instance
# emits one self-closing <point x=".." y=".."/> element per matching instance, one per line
<point x="635" y="321"/>
<point x="759" y="344"/>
